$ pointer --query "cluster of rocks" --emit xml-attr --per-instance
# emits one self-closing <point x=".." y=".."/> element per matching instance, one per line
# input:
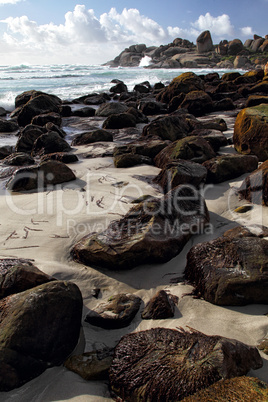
<point x="182" y="53"/>
<point x="172" y="134"/>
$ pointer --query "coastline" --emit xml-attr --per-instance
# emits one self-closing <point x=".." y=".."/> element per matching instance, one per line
<point x="59" y="217"/>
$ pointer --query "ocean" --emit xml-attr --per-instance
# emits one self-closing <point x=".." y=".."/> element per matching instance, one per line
<point x="70" y="81"/>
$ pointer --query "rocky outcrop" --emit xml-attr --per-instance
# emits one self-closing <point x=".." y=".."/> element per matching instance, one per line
<point x="230" y="270"/>
<point x="166" y="364"/>
<point x="117" y="312"/>
<point x="39" y="177"/>
<point x="27" y="138"/>
<point x="182" y="53"/>
<point x="184" y="83"/>
<point x="152" y="231"/>
<point x="33" y="328"/>
<point x="251" y="131"/>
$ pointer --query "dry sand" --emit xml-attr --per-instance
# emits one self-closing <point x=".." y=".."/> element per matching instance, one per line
<point x="44" y="226"/>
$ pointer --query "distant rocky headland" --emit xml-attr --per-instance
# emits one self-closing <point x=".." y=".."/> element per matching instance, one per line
<point x="182" y="53"/>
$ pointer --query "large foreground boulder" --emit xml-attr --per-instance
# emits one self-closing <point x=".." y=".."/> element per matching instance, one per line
<point x="255" y="186"/>
<point x="167" y="365"/>
<point x="230" y="270"/>
<point x="39" y="177"/>
<point x="251" y="131"/>
<point x="153" y="231"/>
<point x="39" y="328"/>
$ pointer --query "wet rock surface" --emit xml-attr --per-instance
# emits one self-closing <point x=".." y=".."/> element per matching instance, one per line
<point x="165" y="364"/>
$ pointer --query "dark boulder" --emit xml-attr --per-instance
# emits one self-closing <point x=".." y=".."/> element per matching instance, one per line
<point x="255" y="100"/>
<point x="110" y="108"/>
<point x="84" y="112"/>
<point x="8" y="126"/>
<point x="50" y="143"/>
<point x="39" y="177"/>
<point x="27" y="138"/>
<point x="92" y="136"/>
<point x="35" y="106"/>
<point x="235" y="46"/>
<point x="215" y="138"/>
<point x="126" y="160"/>
<point x="193" y="148"/>
<point x="153" y="231"/>
<point x="39" y="328"/>
<point x="228" y="167"/>
<point x="230" y="270"/>
<point x="43" y="119"/>
<point x="224" y="104"/>
<point x="119" y="88"/>
<point x="171" y="128"/>
<point x="181" y="172"/>
<point x="24" y="97"/>
<point x="197" y="103"/>
<point x="151" y="108"/>
<point x="159" y="307"/>
<point x="5" y="151"/>
<point x="61" y="157"/>
<point x="163" y="364"/>
<point x="121" y="120"/>
<point x="19" y="159"/>
<point x="18" y="275"/>
<point x="117" y="312"/>
<point x="255" y="186"/>
<point x="251" y="131"/>
<point x="186" y="82"/>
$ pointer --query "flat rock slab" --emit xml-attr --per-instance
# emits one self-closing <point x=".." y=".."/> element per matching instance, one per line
<point x="153" y="231"/>
<point x="167" y="365"/>
<point x="117" y="312"/>
<point x="230" y="270"/>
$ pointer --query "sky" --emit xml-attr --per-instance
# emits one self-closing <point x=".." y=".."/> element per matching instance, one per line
<point x="93" y="32"/>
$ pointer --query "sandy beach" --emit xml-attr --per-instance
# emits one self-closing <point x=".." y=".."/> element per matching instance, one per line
<point x="43" y="227"/>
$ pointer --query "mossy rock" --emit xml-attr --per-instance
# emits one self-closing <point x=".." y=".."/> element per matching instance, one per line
<point x="185" y="83"/>
<point x="251" y="131"/>
<point x="246" y="389"/>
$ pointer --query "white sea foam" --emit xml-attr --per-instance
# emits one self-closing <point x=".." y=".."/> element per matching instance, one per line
<point x="71" y="81"/>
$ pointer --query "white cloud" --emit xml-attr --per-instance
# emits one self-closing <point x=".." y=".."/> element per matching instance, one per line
<point x="219" y="26"/>
<point x="2" y="2"/>
<point x="247" y="31"/>
<point x="84" y="38"/>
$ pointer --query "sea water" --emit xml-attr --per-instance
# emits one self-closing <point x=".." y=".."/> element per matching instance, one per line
<point x="70" y="81"/>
